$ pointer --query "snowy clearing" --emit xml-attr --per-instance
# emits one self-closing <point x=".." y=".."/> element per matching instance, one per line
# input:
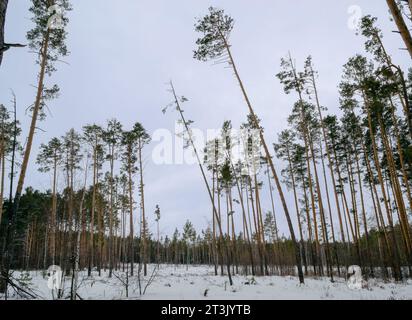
<point x="199" y="283"/>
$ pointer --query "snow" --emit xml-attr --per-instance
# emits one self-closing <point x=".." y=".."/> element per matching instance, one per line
<point x="176" y="283"/>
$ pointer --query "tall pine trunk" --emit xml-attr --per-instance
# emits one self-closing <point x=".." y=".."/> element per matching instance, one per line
<point x="401" y="25"/>
<point x="268" y="156"/>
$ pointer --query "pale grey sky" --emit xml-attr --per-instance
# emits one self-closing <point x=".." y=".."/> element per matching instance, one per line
<point x="123" y="52"/>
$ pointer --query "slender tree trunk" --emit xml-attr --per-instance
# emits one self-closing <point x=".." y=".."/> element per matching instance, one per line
<point x="260" y="226"/>
<point x="221" y="239"/>
<point x="313" y="207"/>
<point x="365" y="220"/>
<point x="3" y="170"/>
<point x="397" y="270"/>
<point x="214" y="252"/>
<point x="70" y="205"/>
<point x="76" y="264"/>
<point x="131" y="223"/>
<point x="100" y="240"/>
<point x="269" y="158"/>
<point x="276" y="239"/>
<point x="325" y="181"/>
<point x="245" y="221"/>
<point x="143" y="210"/>
<point x="93" y="211"/>
<point x="331" y="165"/>
<point x="295" y="197"/>
<point x="322" y="212"/>
<point x="205" y="181"/>
<point x="111" y="212"/>
<point x="354" y="210"/>
<point x="53" y="213"/>
<point x="255" y="224"/>
<point x="235" y="246"/>
<point x="396" y="190"/>
<point x="8" y="253"/>
<point x="309" y="147"/>
<point x="331" y="172"/>
<point x="401" y="155"/>
<point x="46" y="242"/>
<point x="158" y="243"/>
<point x="35" y="115"/>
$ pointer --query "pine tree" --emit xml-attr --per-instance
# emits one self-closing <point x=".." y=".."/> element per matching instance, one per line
<point x="7" y="132"/>
<point x="72" y="155"/>
<point x="112" y="136"/>
<point x="49" y="42"/>
<point x="216" y="28"/>
<point x="359" y="78"/>
<point x="283" y="149"/>
<point x="401" y="25"/>
<point x="186" y="123"/>
<point x="143" y="139"/>
<point x="93" y="136"/>
<point x="49" y="159"/>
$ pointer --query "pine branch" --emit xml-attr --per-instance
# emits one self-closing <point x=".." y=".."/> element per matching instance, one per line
<point x="7" y="46"/>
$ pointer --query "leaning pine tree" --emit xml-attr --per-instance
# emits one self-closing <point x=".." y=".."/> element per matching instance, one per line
<point x="186" y="123"/>
<point x="216" y="28"/>
<point x="401" y="24"/>
<point x="48" y="39"/>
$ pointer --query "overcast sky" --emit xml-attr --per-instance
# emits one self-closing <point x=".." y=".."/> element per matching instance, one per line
<point x="123" y="52"/>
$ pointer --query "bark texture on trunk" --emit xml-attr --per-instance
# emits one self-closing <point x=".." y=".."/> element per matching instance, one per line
<point x="3" y="10"/>
<point x="400" y="23"/>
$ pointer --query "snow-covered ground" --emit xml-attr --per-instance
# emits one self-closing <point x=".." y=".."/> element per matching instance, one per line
<point x="199" y="282"/>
